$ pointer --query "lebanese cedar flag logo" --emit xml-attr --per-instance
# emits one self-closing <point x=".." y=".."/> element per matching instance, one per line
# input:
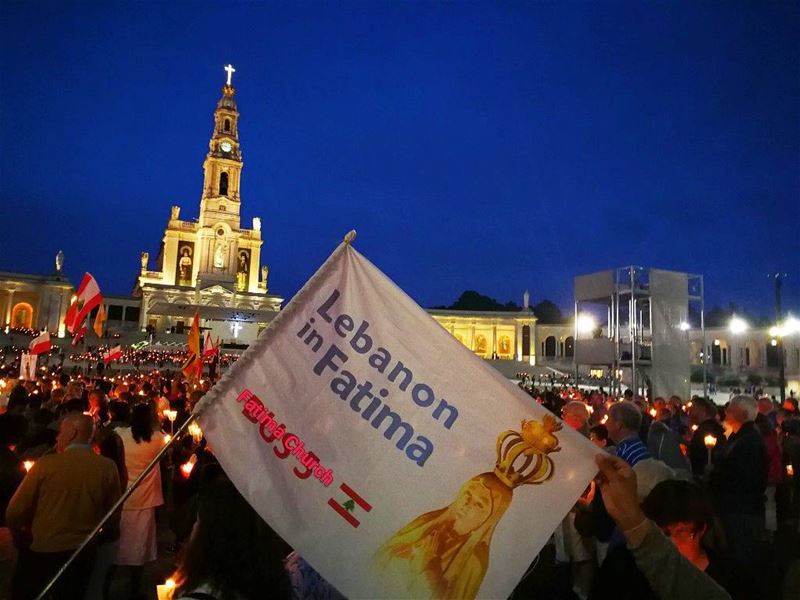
<point x="40" y="344"/>
<point x="347" y="509"/>
<point x="88" y="297"/>
<point x="114" y="354"/>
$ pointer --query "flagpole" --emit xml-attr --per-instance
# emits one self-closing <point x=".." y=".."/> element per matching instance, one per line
<point x="117" y="505"/>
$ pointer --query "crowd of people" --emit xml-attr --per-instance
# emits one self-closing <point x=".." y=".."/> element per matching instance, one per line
<point x="692" y="500"/>
<point x="717" y="480"/>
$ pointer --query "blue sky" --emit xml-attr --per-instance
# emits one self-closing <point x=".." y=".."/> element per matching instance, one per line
<point x="489" y="146"/>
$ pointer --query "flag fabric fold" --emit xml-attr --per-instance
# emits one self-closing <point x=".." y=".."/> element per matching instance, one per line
<point x="355" y="421"/>
<point x="40" y="344"/>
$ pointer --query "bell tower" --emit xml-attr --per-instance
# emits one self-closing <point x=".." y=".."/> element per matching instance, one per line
<point x="222" y="168"/>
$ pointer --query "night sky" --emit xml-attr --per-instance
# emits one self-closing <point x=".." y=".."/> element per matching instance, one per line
<point x="489" y="146"/>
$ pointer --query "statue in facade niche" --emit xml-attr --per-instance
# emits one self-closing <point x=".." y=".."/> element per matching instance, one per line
<point x="219" y="255"/>
<point x="176" y="213"/>
<point x="264" y="273"/>
<point x="256" y="224"/>
<point x="60" y="261"/>
<point x="145" y="256"/>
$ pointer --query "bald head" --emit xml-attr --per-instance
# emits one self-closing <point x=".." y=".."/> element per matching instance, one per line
<point x="76" y="428"/>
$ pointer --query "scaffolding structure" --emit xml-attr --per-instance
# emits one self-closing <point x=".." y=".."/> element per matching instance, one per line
<point x="648" y="313"/>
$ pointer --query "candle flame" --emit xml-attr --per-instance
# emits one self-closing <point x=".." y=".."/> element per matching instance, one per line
<point x="710" y="441"/>
<point x="167" y="438"/>
<point x="790" y="470"/>
<point x="196" y="432"/>
<point x="28" y="464"/>
<point x="694" y="427"/>
<point x="653" y="412"/>
<point x="186" y="469"/>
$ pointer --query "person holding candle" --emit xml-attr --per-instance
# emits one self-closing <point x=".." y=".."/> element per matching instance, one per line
<point x="703" y="414"/>
<point x="60" y="501"/>
<point x="137" y="540"/>
<point x="738" y="480"/>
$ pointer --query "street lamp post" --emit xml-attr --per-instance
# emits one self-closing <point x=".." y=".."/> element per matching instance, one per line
<point x="779" y="317"/>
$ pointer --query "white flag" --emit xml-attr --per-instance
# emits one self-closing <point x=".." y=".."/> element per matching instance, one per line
<point x="394" y="460"/>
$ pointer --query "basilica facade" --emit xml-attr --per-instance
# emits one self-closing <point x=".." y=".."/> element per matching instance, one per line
<point x="211" y="265"/>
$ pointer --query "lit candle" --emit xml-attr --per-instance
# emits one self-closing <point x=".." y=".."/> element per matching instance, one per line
<point x="29" y="463"/>
<point x="710" y="441"/>
<point x="187" y="467"/>
<point x="167" y="438"/>
<point x="694" y="427"/>
<point x="653" y="412"/>
<point x="604" y="419"/>
<point x="196" y="432"/>
<point x="790" y="470"/>
<point x="165" y="591"/>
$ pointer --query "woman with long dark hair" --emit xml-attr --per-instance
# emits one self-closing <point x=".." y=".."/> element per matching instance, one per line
<point x="137" y="540"/>
<point x="232" y="553"/>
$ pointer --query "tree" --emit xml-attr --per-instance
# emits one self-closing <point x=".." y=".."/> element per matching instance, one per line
<point x="472" y="300"/>
<point x="548" y="313"/>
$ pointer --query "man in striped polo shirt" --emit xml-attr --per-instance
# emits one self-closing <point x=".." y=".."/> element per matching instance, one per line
<point x="624" y="421"/>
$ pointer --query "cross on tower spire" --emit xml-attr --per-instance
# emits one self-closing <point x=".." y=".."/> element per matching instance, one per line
<point x="229" y="68"/>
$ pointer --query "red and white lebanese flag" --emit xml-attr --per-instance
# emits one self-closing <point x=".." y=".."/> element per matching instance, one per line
<point x="40" y="344"/>
<point x="209" y="349"/>
<point x="114" y="353"/>
<point x="88" y="297"/>
<point x="78" y="337"/>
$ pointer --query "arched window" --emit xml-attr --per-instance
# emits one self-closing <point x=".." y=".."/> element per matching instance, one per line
<point x="223" y="184"/>
<point x="227" y="125"/>
<point x="569" y="346"/>
<point x="550" y="346"/>
<point x="22" y="315"/>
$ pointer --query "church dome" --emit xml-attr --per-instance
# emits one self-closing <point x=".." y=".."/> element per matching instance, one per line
<point x="227" y="100"/>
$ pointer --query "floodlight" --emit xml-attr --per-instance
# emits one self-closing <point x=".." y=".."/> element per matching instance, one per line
<point x="585" y="323"/>
<point x="738" y="325"/>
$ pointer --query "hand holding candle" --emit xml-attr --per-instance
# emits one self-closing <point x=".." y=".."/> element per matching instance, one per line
<point x="166" y="591"/>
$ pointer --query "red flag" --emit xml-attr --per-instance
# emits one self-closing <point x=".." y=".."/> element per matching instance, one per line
<point x="114" y="353"/>
<point x="40" y="344"/>
<point x="78" y="336"/>
<point x="209" y="349"/>
<point x="87" y="298"/>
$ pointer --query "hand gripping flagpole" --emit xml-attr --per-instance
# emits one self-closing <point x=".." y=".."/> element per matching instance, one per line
<point x="117" y="504"/>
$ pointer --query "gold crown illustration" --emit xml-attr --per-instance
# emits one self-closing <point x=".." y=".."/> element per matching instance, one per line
<point x="522" y="455"/>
